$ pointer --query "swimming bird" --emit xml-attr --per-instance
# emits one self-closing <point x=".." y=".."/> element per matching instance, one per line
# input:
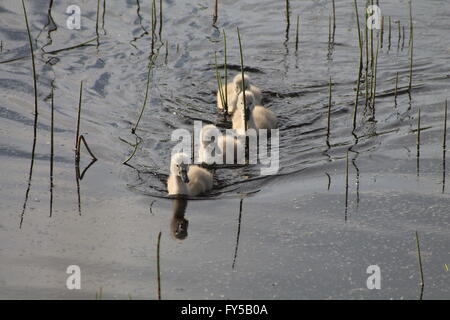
<point x="186" y="179"/>
<point x="232" y="90"/>
<point x="200" y="181"/>
<point x="219" y="148"/>
<point x="208" y="143"/>
<point x="178" y="178"/>
<point x="259" y="117"/>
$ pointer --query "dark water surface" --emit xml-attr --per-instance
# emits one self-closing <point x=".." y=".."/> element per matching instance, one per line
<point x="294" y="237"/>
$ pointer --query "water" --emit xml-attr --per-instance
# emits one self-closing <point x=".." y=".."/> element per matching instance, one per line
<point x="294" y="237"/>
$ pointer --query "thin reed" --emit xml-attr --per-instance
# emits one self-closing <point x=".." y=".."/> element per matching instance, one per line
<point x="358" y="84"/>
<point x="411" y="46"/>
<point x="77" y="135"/>
<point x="226" y="69"/>
<point x="160" y="18"/>
<point x="287" y="12"/>
<point x="389" y="34"/>
<point x="334" y="19"/>
<point x="374" y="81"/>
<point x="96" y="22"/>
<point x="246" y="115"/>
<point x="296" y="33"/>
<point x="216" y="11"/>
<point x="150" y="67"/>
<point x="221" y="88"/>
<point x="396" y="89"/>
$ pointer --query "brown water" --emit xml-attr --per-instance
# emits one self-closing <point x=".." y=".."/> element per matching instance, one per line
<point x="294" y="237"/>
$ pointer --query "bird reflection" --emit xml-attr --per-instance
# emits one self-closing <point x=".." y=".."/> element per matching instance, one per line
<point x="178" y="224"/>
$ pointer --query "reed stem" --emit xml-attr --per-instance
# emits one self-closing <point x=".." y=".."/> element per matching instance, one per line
<point x="396" y="89"/>
<point x="374" y="74"/>
<point x="411" y="46"/>
<point x="160" y="18"/>
<point x="150" y="67"/>
<point x="216" y="11"/>
<point x="246" y="115"/>
<point x="246" y="111"/>
<point x="287" y="14"/>
<point x="103" y="16"/>
<point x="334" y="19"/>
<point x="389" y="34"/>
<point x="329" y="32"/>
<point x="154" y="20"/>
<point x="296" y="33"/>
<point x="403" y="37"/>
<point x="355" y="110"/>
<point x="77" y="136"/>
<point x="220" y="85"/>
<point x="371" y="44"/>
<point x="225" y="65"/>
<point x="366" y="38"/>
<point x="96" y="21"/>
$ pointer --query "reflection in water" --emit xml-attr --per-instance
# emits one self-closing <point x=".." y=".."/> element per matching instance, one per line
<point x="179" y="225"/>
<point x="329" y="180"/>
<point x="238" y="233"/>
<point x="346" y="187"/>
<point x="418" y="145"/>
<point x="444" y="146"/>
<point x="356" y="140"/>
<point x="50" y="26"/>
<point x="144" y="30"/>
<point x="357" y="178"/>
<point x="151" y="206"/>
<point x="51" y="150"/>
<point x="33" y="150"/>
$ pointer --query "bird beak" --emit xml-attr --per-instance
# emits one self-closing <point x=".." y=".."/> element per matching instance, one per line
<point x="184" y="176"/>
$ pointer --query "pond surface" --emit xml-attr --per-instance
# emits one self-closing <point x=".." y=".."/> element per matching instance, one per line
<point x="293" y="235"/>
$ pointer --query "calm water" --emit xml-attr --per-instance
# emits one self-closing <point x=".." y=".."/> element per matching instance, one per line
<point x="294" y="237"/>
